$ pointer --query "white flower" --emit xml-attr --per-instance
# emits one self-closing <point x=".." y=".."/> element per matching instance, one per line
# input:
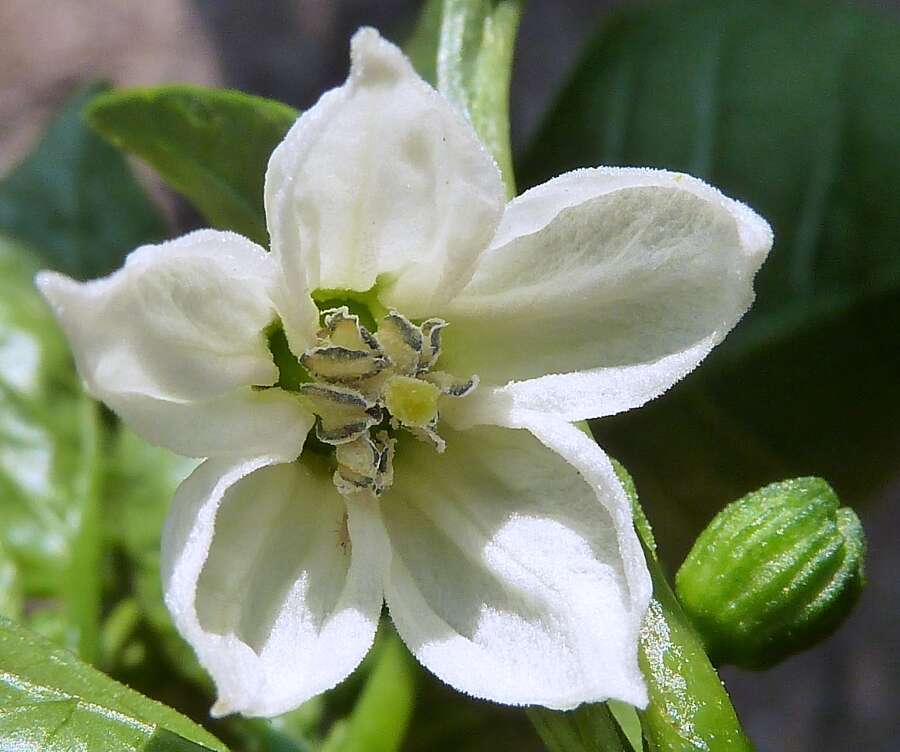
<point x="500" y="538"/>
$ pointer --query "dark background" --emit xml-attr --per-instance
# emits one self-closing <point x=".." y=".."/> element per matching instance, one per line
<point x="840" y="696"/>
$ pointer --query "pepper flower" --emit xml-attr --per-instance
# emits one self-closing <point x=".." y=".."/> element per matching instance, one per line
<point x="385" y="402"/>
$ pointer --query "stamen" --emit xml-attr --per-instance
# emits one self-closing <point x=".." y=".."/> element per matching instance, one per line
<point x="347" y="482"/>
<point x="449" y="384"/>
<point x="361" y="378"/>
<point x="357" y="465"/>
<point x="337" y="363"/>
<point x="401" y="341"/>
<point x="343" y="328"/>
<point x="343" y="414"/>
<point x="431" y="349"/>
<point x="386" y="448"/>
<point x="360" y="456"/>
<point x="429" y="435"/>
<point x="365" y="464"/>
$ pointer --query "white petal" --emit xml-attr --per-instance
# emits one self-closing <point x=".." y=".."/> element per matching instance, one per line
<point x="516" y="576"/>
<point x="174" y="341"/>
<point x="243" y="423"/>
<point x="382" y="180"/>
<point x="602" y="288"/>
<point x="263" y="581"/>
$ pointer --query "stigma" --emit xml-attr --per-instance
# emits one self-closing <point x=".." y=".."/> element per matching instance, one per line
<point x="367" y="386"/>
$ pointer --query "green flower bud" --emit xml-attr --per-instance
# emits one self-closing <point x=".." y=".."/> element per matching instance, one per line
<point x="774" y="573"/>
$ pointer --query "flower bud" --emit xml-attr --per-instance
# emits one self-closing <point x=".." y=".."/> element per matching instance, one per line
<point x="773" y="573"/>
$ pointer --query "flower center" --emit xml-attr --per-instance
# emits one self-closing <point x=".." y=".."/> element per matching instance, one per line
<point x="366" y="386"/>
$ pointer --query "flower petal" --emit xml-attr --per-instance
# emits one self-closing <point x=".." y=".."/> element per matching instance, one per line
<point x="382" y="181"/>
<point x="277" y="591"/>
<point x="243" y="423"/>
<point x="516" y="575"/>
<point x="602" y="288"/>
<point x="174" y="341"/>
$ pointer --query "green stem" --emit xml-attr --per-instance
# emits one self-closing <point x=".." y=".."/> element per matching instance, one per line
<point x="474" y="66"/>
<point x="83" y="576"/>
<point x="689" y="708"/>
<point x="382" y="713"/>
<point x="590" y="728"/>
<point x="493" y="71"/>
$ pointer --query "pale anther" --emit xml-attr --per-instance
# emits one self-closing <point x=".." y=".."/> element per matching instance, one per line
<point x="343" y="414"/>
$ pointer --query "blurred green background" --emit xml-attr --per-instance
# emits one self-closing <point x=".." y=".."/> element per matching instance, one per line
<point x="793" y="107"/>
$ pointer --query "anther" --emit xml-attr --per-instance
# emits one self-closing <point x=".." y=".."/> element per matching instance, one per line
<point x="361" y="379"/>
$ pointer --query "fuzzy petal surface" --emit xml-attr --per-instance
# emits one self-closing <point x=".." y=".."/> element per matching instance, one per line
<point x="273" y="579"/>
<point x="382" y="180"/>
<point x="516" y="575"/>
<point x="602" y="288"/>
<point x="174" y="342"/>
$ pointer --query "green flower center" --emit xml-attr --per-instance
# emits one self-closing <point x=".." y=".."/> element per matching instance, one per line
<point x="365" y="386"/>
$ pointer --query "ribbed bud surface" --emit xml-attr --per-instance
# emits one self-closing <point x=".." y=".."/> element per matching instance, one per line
<point x="773" y="573"/>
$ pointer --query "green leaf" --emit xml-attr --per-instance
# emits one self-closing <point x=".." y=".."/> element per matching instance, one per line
<point x="211" y="145"/>
<point x="75" y="200"/>
<point x="49" y="459"/>
<point x="784" y="104"/>
<point x="466" y="47"/>
<point x="51" y="701"/>
<point x="380" y="718"/>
